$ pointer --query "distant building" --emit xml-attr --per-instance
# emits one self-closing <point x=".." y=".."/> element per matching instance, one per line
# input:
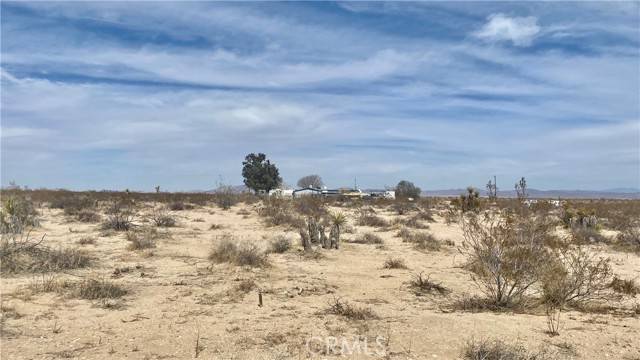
<point x="308" y="191"/>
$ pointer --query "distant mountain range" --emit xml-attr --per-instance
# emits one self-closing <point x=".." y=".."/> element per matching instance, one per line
<point x="620" y="193"/>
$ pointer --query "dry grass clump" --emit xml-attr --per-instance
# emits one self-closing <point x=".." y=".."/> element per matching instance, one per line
<point x="625" y="286"/>
<point x="367" y="238"/>
<point x="424" y="285"/>
<point x="88" y="216"/>
<point x="499" y="350"/>
<point x="26" y="255"/>
<point x="88" y="289"/>
<point x="17" y="214"/>
<point x="280" y="244"/>
<point x="372" y="220"/>
<point x="243" y="254"/>
<point x="179" y="206"/>
<point x="394" y="263"/>
<point x="145" y="238"/>
<point x="87" y="240"/>
<point x="349" y="311"/>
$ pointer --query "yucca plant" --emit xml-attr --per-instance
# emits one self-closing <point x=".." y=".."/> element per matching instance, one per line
<point x="336" y="219"/>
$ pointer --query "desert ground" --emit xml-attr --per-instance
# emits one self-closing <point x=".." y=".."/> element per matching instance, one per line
<point x="178" y="303"/>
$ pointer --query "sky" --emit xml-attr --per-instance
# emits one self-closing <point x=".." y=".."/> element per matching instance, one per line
<point x="115" y="95"/>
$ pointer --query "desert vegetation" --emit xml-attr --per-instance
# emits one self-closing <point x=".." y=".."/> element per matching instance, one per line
<point x="326" y="267"/>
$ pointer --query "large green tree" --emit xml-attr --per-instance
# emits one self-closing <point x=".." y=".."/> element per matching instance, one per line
<point x="405" y="189"/>
<point x="259" y="173"/>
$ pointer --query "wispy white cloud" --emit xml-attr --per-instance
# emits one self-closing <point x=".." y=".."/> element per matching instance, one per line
<point x="521" y="31"/>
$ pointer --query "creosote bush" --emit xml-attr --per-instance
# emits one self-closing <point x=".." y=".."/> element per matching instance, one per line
<point x="574" y="276"/>
<point x="506" y="255"/>
<point x="88" y="216"/>
<point x="423" y="241"/>
<point x="145" y="238"/>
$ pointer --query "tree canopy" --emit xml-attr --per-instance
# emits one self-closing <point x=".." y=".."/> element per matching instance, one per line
<point x="259" y="173"/>
<point x="313" y="181"/>
<point x="405" y="189"/>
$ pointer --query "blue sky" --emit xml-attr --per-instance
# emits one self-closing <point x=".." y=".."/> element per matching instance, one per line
<point x="132" y="95"/>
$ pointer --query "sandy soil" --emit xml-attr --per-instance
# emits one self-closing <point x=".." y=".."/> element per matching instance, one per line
<point x="177" y="297"/>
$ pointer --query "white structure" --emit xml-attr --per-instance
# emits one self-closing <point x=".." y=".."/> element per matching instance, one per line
<point x="285" y="193"/>
<point x="389" y="194"/>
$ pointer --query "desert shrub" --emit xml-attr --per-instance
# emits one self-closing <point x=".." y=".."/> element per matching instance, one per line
<point x="586" y="235"/>
<point x="279" y="212"/>
<point x="243" y="254"/>
<point x="412" y="222"/>
<point x="425" y="241"/>
<point x="394" y="263"/>
<point x="177" y="206"/>
<point x="162" y="218"/>
<point x="280" y="244"/>
<point x="421" y="240"/>
<point x="119" y="218"/>
<point x="499" y="350"/>
<point x="575" y="276"/>
<point x="225" y="197"/>
<point x="424" y="285"/>
<point x="402" y="207"/>
<point x="88" y="216"/>
<point x="27" y="255"/>
<point x="142" y="239"/>
<point x="367" y="217"/>
<point x="310" y="206"/>
<point x="73" y="205"/>
<point x="624" y="286"/>
<point x="629" y="237"/>
<point x="349" y="311"/>
<point x="368" y="238"/>
<point x="17" y="214"/>
<point x="506" y="255"/>
<point x="246" y="285"/>
<point x="94" y="289"/>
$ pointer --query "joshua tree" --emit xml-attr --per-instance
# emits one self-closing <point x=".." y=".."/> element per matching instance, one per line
<point x="521" y="190"/>
<point x="337" y="220"/>
<point x="492" y="189"/>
